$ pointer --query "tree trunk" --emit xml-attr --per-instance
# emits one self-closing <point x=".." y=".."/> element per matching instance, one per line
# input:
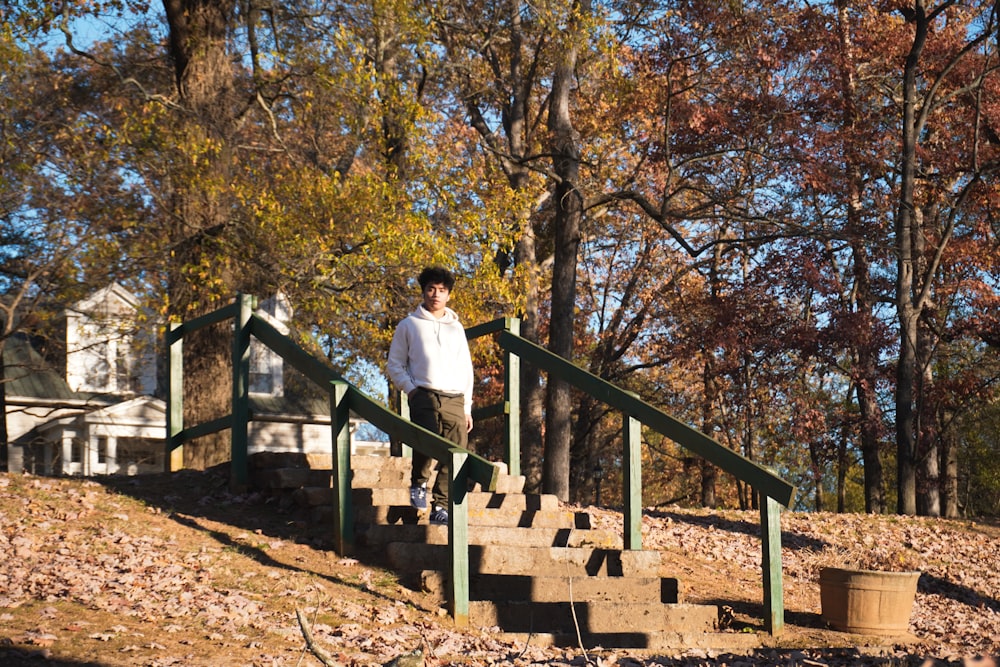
<point x="817" y="476"/>
<point x="949" y="460"/>
<point x="871" y="445"/>
<point x="865" y="349"/>
<point x="4" y="434"/>
<point x="584" y="454"/>
<point x="843" y="465"/>
<point x="907" y="308"/>
<point x="710" y="389"/>
<point x="198" y="31"/>
<point x="906" y="455"/>
<point x="517" y="81"/>
<point x="709" y="473"/>
<point x="928" y="473"/>
<point x="568" y="215"/>
<point x="532" y="388"/>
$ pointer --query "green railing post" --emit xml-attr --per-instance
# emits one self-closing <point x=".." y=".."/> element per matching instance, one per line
<point x="632" y="481"/>
<point x="174" y="458"/>
<point x="770" y="535"/>
<point x="239" y="430"/>
<point x="512" y="401"/>
<point x="340" y="423"/>
<point x="397" y="447"/>
<point x="458" y="536"/>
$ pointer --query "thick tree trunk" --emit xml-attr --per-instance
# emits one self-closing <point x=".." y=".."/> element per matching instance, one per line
<point x="928" y="473"/>
<point x="568" y="216"/>
<point x="866" y="351"/>
<point x="198" y="33"/>
<point x="511" y="149"/>
<point x="907" y="306"/>
<point x="906" y="450"/>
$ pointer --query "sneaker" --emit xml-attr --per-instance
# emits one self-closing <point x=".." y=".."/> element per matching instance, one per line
<point x="439" y="516"/>
<point x="418" y="497"/>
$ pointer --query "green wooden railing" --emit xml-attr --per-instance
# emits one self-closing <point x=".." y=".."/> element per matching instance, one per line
<point x="464" y="465"/>
<point x="773" y="490"/>
<point x="344" y="399"/>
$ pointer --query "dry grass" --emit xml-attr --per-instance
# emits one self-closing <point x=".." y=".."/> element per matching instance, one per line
<point x="174" y="570"/>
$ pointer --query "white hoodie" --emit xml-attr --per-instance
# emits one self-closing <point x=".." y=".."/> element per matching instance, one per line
<point x="432" y="353"/>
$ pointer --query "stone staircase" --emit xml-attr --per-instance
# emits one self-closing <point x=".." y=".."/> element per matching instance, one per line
<point x="537" y="569"/>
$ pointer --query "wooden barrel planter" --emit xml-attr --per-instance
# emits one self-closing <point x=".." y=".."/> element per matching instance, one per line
<point x="867" y="601"/>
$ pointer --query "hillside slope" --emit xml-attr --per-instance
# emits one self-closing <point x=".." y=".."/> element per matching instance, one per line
<point x="174" y="570"/>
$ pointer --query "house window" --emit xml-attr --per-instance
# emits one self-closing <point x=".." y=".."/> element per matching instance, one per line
<point x="76" y="452"/>
<point x="265" y="371"/>
<point x="98" y="369"/>
<point x="137" y="454"/>
<point x="123" y="370"/>
<point x="102" y="449"/>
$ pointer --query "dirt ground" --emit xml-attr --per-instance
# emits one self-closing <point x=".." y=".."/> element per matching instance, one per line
<point x="176" y="570"/>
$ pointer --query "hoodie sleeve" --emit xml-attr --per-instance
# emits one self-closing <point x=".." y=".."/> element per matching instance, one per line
<point x="398" y="363"/>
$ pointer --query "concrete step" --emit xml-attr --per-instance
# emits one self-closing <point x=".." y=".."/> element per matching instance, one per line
<point x="529" y="561"/>
<point x="395" y="476"/>
<point x="737" y="643"/>
<point x="367" y="516"/>
<point x="521" y="502"/>
<point x="279" y="479"/>
<point x="486" y="508"/>
<point x="378" y="535"/>
<point x="621" y="619"/>
<point x="514" y="588"/>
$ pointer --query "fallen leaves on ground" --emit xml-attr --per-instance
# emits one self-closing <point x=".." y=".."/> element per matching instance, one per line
<point x="177" y="571"/>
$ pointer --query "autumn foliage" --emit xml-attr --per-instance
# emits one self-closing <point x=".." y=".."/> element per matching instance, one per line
<point x="775" y="220"/>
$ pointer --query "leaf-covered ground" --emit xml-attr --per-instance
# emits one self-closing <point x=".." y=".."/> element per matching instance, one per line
<point x="175" y="570"/>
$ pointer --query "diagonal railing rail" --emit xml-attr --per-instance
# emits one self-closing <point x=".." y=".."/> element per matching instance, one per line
<point x="772" y="489"/>
<point x="344" y="399"/>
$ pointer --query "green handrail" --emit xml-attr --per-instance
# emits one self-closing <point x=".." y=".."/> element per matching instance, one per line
<point x="772" y="489"/>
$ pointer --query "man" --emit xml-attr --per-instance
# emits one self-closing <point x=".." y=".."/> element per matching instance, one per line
<point x="429" y="361"/>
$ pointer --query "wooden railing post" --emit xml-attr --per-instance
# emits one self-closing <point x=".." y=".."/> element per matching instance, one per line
<point x="512" y="402"/>
<point x="239" y="431"/>
<point x="340" y="424"/>
<point x="632" y="481"/>
<point x="397" y="447"/>
<point x="770" y="536"/>
<point x="458" y="536"/>
<point x="174" y="456"/>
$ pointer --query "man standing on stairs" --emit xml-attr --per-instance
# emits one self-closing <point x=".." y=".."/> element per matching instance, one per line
<point x="429" y="361"/>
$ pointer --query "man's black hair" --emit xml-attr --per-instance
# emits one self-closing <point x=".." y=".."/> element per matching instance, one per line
<point x="436" y="275"/>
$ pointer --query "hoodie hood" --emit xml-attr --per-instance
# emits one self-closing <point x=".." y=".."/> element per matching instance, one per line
<point x="449" y="317"/>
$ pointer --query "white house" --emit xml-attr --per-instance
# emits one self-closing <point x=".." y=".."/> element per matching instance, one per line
<point x="96" y="412"/>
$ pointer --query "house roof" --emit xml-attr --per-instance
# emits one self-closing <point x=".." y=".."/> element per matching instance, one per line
<point x="28" y="375"/>
<point x="143" y="411"/>
<point x="102" y="298"/>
